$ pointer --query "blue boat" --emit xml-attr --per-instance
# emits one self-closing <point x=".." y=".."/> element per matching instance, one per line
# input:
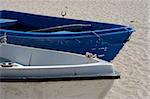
<point x="63" y="34"/>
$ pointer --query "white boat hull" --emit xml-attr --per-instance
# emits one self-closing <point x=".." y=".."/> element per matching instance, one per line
<point x="69" y="76"/>
<point x="33" y="63"/>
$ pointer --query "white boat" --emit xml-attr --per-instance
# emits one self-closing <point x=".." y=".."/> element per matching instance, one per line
<point x="74" y="76"/>
<point x="20" y="62"/>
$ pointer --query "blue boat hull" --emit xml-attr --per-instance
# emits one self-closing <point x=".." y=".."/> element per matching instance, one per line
<point x="106" y="43"/>
<point x="104" y="49"/>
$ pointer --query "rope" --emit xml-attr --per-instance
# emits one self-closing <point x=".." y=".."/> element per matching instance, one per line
<point x="3" y="39"/>
<point x="61" y="27"/>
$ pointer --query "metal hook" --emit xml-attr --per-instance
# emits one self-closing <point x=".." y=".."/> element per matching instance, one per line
<point x="63" y="13"/>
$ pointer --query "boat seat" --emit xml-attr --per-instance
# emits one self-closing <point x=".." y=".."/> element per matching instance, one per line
<point x="7" y="22"/>
<point x="47" y="57"/>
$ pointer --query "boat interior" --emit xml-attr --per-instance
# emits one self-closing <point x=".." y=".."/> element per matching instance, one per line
<point x="28" y="56"/>
<point x="19" y="21"/>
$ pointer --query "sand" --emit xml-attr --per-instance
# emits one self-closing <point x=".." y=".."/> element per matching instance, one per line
<point x="133" y="61"/>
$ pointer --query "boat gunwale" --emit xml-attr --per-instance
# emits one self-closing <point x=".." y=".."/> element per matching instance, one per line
<point x="72" y="34"/>
<point x="69" y="32"/>
<point x="96" y="64"/>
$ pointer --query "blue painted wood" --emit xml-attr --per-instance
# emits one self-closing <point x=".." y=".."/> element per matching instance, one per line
<point x="7" y="22"/>
<point x="103" y="39"/>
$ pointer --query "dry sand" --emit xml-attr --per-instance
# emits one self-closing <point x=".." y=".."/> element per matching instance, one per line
<point x="133" y="60"/>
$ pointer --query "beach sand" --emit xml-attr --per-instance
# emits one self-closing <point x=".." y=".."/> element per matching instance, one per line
<point x="133" y="61"/>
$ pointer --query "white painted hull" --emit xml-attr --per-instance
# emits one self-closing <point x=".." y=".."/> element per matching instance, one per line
<point x="69" y="76"/>
<point x="85" y="89"/>
<point x="33" y="63"/>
